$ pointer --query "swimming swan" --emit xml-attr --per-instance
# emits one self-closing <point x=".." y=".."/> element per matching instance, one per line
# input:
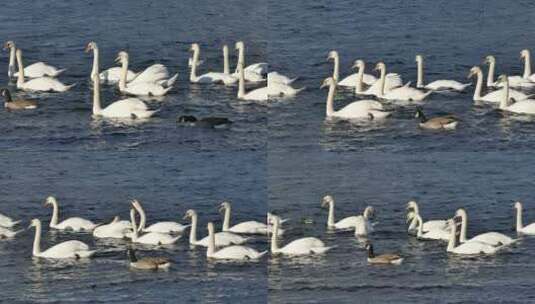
<point x="413" y="210"/>
<point x="392" y="81"/>
<point x="111" y="75"/>
<point x="260" y="94"/>
<point x="161" y="227"/>
<point x="525" y="106"/>
<point x="351" y="80"/>
<point x="491" y="238"/>
<point x="65" y="250"/>
<point x="116" y="229"/>
<point x="404" y="93"/>
<point x="432" y="234"/>
<point x="361" y="109"/>
<point x="437" y="85"/>
<point x="41" y="84"/>
<point x="231" y="252"/>
<point x="520" y="228"/>
<point x="151" y="82"/>
<point x="221" y="238"/>
<point x="150" y="238"/>
<point x="514" y="81"/>
<point x="253" y="72"/>
<point x="495" y="96"/>
<point x="358" y="222"/>
<point x="210" y="77"/>
<point x="248" y="227"/>
<point x="275" y="77"/>
<point x="129" y="108"/>
<point x="34" y="70"/>
<point x="469" y="248"/>
<point x="526" y="55"/>
<point x="299" y="247"/>
<point x="74" y="223"/>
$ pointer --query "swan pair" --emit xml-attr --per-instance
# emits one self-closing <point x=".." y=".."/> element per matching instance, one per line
<point x="360" y="223"/>
<point x="361" y="109"/>
<point x="111" y="75"/>
<point x="234" y="252"/>
<point x="495" y="96"/>
<point x="222" y="239"/>
<point x="253" y="72"/>
<point x="159" y="227"/>
<point x="514" y="81"/>
<point x="129" y="108"/>
<point x="149" y="238"/>
<point x="34" y="70"/>
<point x="403" y="93"/>
<point x="433" y="229"/>
<point x="299" y="247"/>
<point x="525" y="106"/>
<point x="248" y="227"/>
<point x="211" y="77"/>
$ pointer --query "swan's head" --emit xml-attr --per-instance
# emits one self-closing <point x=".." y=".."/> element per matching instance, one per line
<point x="412" y="205"/>
<point x="524" y="53"/>
<point x="327" y="201"/>
<point x="358" y="64"/>
<point x="327" y="82"/>
<point x="5" y="93"/>
<point x="239" y="45"/>
<point x="90" y="46"/>
<point x="210" y="227"/>
<point x="460" y="213"/>
<point x="194" y="47"/>
<point x="272" y="218"/>
<point x="410" y="216"/>
<point x="502" y="78"/>
<point x="224" y="206"/>
<point x="369" y="212"/>
<point x="419" y="58"/>
<point x="517" y="205"/>
<point x="121" y="57"/>
<point x="225" y="48"/>
<point x="190" y="214"/>
<point x="34" y="223"/>
<point x="380" y="66"/>
<point x="475" y="70"/>
<point x="419" y="112"/>
<point x="135" y="203"/>
<point x="369" y="247"/>
<point x="9" y="44"/>
<point x="50" y="201"/>
<point x="332" y="55"/>
<point x="490" y="59"/>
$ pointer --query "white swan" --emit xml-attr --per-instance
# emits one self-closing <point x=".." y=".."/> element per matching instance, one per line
<point x="34" y="70"/>
<point x="161" y="227"/>
<point x="66" y="250"/>
<point x="210" y="77"/>
<point x="6" y="221"/>
<point x="5" y="233"/>
<point x="151" y="238"/>
<point x="229" y="253"/>
<point x="414" y="210"/>
<point x="361" y="109"/>
<point x="491" y="238"/>
<point x="495" y="96"/>
<point x="111" y="75"/>
<point x="392" y="81"/>
<point x="151" y="82"/>
<point x="404" y="93"/>
<point x="351" y="80"/>
<point x="41" y="84"/>
<point x="72" y="223"/>
<point x="525" y="106"/>
<point x="116" y="229"/>
<point x="129" y="108"/>
<point x="248" y="227"/>
<point x="253" y="72"/>
<point x="278" y="89"/>
<point x="514" y="81"/>
<point x="469" y="248"/>
<point x="432" y="234"/>
<point x="437" y="85"/>
<point x="358" y="222"/>
<point x="303" y="246"/>
<point x="260" y="94"/>
<point x="520" y="228"/>
<point x="526" y="55"/>
<point x="221" y="238"/>
<point x="275" y="77"/>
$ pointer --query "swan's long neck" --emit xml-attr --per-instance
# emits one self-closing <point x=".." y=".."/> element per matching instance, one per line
<point x="519" y="224"/>
<point x="37" y="240"/>
<point x="330" y="100"/>
<point x="383" y="81"/>
<point x="143" y="218"/>
<point x="193" y="230"/>
<point x="479" y="85"/>
<point x="193" y="71"/>
<point x="134" y="225"/>
<point x="226" y="220"/>
<point x="505" y="97"/>
<point x="124" y="72"/>
<point x="211" y="242"/>
<point x="527" y="65"/>
<point x="241" y="59"/>
<point x="96" y="62"/>
<point x="274" y="245"/>
<point x="464" y="227"/>
<point x="360" y="80"/>
<point x="11" y="68"/>
<point x="420" y="225"/>
<point x="336" y="68"/>
<point x="490" y="75"/>
<point x="55" y="214"/>
<point x="20" y="80"/>
<point x="241" y="81"/>
<point x="420" y="80"/>
<point x="452" y="242"/>
<point x="226" y="66"/>
<point x="97" y="108"/>
<point x="330" y="219"/>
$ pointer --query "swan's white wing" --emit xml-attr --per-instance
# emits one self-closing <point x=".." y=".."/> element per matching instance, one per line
<point x="474" y="248"/>
<point x="347" y="223"/>
<point x="76" y="223"/>
<point x="260" y="68"/>
<point x="529" y="229"/>
<point x="492" y="238"/>
<point x="113" y="75"/>
<point x="127" y="108"/>
<point x="526" y="106"/>
<point x="40" y="69"/>
<point x="145" y="89"/>
<point x="358" y="109"/>
<point x="446" y="85"/>
<point x="154" y="238"/>
<point x="237" y="253"/>
<point x="497" y="96"/>
<point x="68" y="249"/>
<point x="154" y="73"/>
<point x="249" y="227"/>
<point x="166" y="227"/>
<point x="275" y="77"/>
<point x="260" y="94"/>
<point x="302" y="246"/>
<point x="45" y="84"/>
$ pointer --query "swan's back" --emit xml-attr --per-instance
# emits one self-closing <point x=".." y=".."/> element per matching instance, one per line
<point x="237" y="252"/>
<point x="165" y="227"/>
<point x="44" y="84"/>
<point x="359" y="108"/>
<point x="260" y="94"/>
<point x="474" y="248"/>
<point x="154" y="73"/>
<point x="303" y="246"/>
<point x="125" y="107"/>
<point x="66" y="249"/>
<point x="249" y="227"/>
<point x="526" y="106"/>
<point x="156" y="238"/>
<point x="493" y="238"/>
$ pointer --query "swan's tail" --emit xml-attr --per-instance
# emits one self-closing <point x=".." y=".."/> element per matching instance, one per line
<point x="58" y="72"/>
<point x="16" y="232"/>
<point x="299" y="90"/>
<point x="408" y="84"/>
<point x="321" y="250"/>
<point x="15" y="223"/>
<point x="169" y="82"/>
<point x="68" y="87"/>
<point x="426" y="94"/>
<point x="291" y="80"/>
<point x="260" y="255"/>
<point x="465" y="85"/>
<point x="85" y="254"/>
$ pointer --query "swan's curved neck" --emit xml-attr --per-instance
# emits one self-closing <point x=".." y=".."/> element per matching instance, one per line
<point x="20" y="79"/>
<point x="336" y="68"/>
<point x="134" y="226"/>
<point x="479" y="85"/>
<point x="37" y="240"/>
<point x="241" y="81"/>
<point x="360" y="79"/>
<point x="527" y="65"/>
<point x="226" y="220"/>
<point x="420" y="225"/>
<point x="490" y="75"/>
<point x="330" y="219"/>
<point x="193" y="71"/>
<point x="226" y="67"/>
<point x="274" y="245"/>
<point x="124" y="72"/>
<point x="330" y="100"/>
<point x="11" y="68"/>
<point x="241" y="59"/>
<point x="143" y="218"/>
<point x="504" y="103"/>
<point x="193" y="230"/>
<point x="519" y="224"/>
<point x="55" y="214"/>
<point x="211" y="242"/>
<point x="452" y="242"/>
<point x="464" y="227"/>
<point x="383" y="81"/>
<point x="413" y="224"/>
<point x="420" y="80"/>
<point x="96" y="61"/>
<point x="97" y="108"/>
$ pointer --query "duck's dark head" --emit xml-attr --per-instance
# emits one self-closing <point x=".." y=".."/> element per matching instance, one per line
<point x="369" y="248"/>
<point x="5" y="93"/>
<point x="419" y="114"/>
<point x="131" y="255"/>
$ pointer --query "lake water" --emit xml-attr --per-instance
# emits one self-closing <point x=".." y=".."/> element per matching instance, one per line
<point x="281" y="157"/>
